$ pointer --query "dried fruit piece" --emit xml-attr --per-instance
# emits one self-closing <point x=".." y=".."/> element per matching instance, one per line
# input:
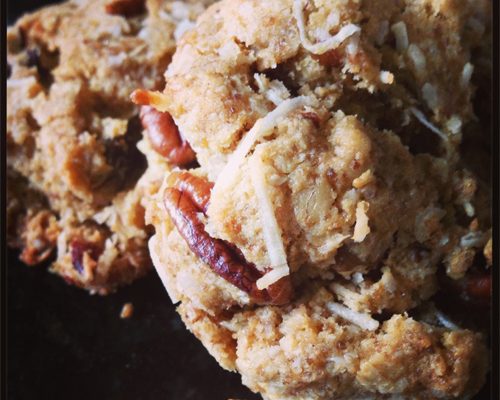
<point x="78" y="248"/>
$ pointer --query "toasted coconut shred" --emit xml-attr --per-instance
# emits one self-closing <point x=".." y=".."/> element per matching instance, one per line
<point x="328" y="44"/>
<point x="364" y="321"/>
<point x="361" y="229"/>
<point x="401" y="35"/>
<point x="424" y="121"/>
<point x="270" y="227"/>
<point x="445" y="321"/>
<point x="261" y="127"/>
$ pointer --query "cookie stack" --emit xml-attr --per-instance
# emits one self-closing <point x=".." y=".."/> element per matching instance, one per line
<point x="314" y="214"/>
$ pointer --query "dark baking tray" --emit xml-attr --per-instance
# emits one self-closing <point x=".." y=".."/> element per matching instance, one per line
<point x="65" y="344"/>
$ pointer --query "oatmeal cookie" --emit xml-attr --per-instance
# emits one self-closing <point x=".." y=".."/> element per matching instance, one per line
<point x="330" y="198"/>
<point x="72" y="133"/>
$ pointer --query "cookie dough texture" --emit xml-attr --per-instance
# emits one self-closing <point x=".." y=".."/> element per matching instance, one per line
<point x="72" y="133"/>
<point x="365" y="182"/>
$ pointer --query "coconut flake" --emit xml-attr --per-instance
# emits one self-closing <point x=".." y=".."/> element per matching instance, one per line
<point x="270" y="228"/>
<point x="14" y="83"/>
<point x="272" y="277"/>
<point x="417" y="57"/>
<point x="357" y="278"/>
<point x="401" y="34"/>
<point x="364" y="321"/>
<point x="445" y="321"/>
<point x="386" y="77"/>
<point x="260" y="128"/>
<point x="328" y="44"/>
<point x="361" y="229"/>
<point x="424" y="121"/>
<point x="430" y="95"/>
<point x="469" y="209"/>
<point x="274" y="91"/>
<point x="466" y="74"/>
<point x="473" y="239"/>
<point x="454" y="124"/>
<point x="182" y="27"/>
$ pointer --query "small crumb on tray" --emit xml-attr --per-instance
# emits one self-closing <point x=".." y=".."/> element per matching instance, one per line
<point x="127" y="311"/>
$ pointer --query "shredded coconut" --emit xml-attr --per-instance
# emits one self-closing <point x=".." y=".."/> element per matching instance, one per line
<point x="270" y="227"/>
<point x="386" y="77"/>
<point x="182" y="27"/>
<point x="343" y="292"/>
<point x="271" y="277"/>
<point x="364" y="321"/>
<point x="261" y="127"/>
<point x="361" y="229"/>
<point x="401" y="34"/>
<point x="469" y="209"/>
<point x="454" y="124"/>
<point x="364" y="179"/>
<point x="430" y="95"/>
<point x="445" y="321"/>
<point x="275" y="91"/>
<point x="13" y="83"/>
<point x="417" y="57"/>
<point x="322" y="47"/>
<point x="466" y="74"/>
<point x="424" y="121"/>
<point x="357" y="278"/>
<point x="473" y="239"/>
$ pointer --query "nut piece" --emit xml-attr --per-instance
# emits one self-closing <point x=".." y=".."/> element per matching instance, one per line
<point x="184" y="202"/>
<point x="165" y="137"/>
<point x="125" y="8"/>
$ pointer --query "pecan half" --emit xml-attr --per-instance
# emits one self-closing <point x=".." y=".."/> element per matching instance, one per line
<point x="125" y="8"/>
<point x="198" y="189"/>
<point x="184" y="202"/>
<point x="165" y="137"/>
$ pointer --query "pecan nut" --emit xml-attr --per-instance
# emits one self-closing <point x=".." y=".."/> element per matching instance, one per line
<point x="165" y="137"/>
<point x="125" y="8"/>
<point x="184" y="202"/>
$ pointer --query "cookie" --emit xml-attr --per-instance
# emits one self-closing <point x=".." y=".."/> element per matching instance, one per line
<point x="330" y="202"/>
<point x="72" y="133"/>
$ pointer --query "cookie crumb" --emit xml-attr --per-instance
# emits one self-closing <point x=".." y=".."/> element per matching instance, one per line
<point x="127" y="311"/>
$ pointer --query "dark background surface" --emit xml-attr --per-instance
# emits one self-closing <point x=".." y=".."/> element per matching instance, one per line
<point x="65" y="344"/>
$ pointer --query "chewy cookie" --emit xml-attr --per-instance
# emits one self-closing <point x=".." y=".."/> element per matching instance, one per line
<point x="74" y="188"/>
<point x="330" y="203"/>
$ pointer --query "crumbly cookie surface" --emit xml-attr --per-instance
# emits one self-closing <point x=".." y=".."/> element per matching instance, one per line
<point x="72" y="132"/>
<point x="334" y="127"/>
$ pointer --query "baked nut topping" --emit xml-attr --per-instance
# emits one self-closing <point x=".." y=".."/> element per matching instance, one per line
<point x="165" y="137"/>
<point x="183" y="202"/>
